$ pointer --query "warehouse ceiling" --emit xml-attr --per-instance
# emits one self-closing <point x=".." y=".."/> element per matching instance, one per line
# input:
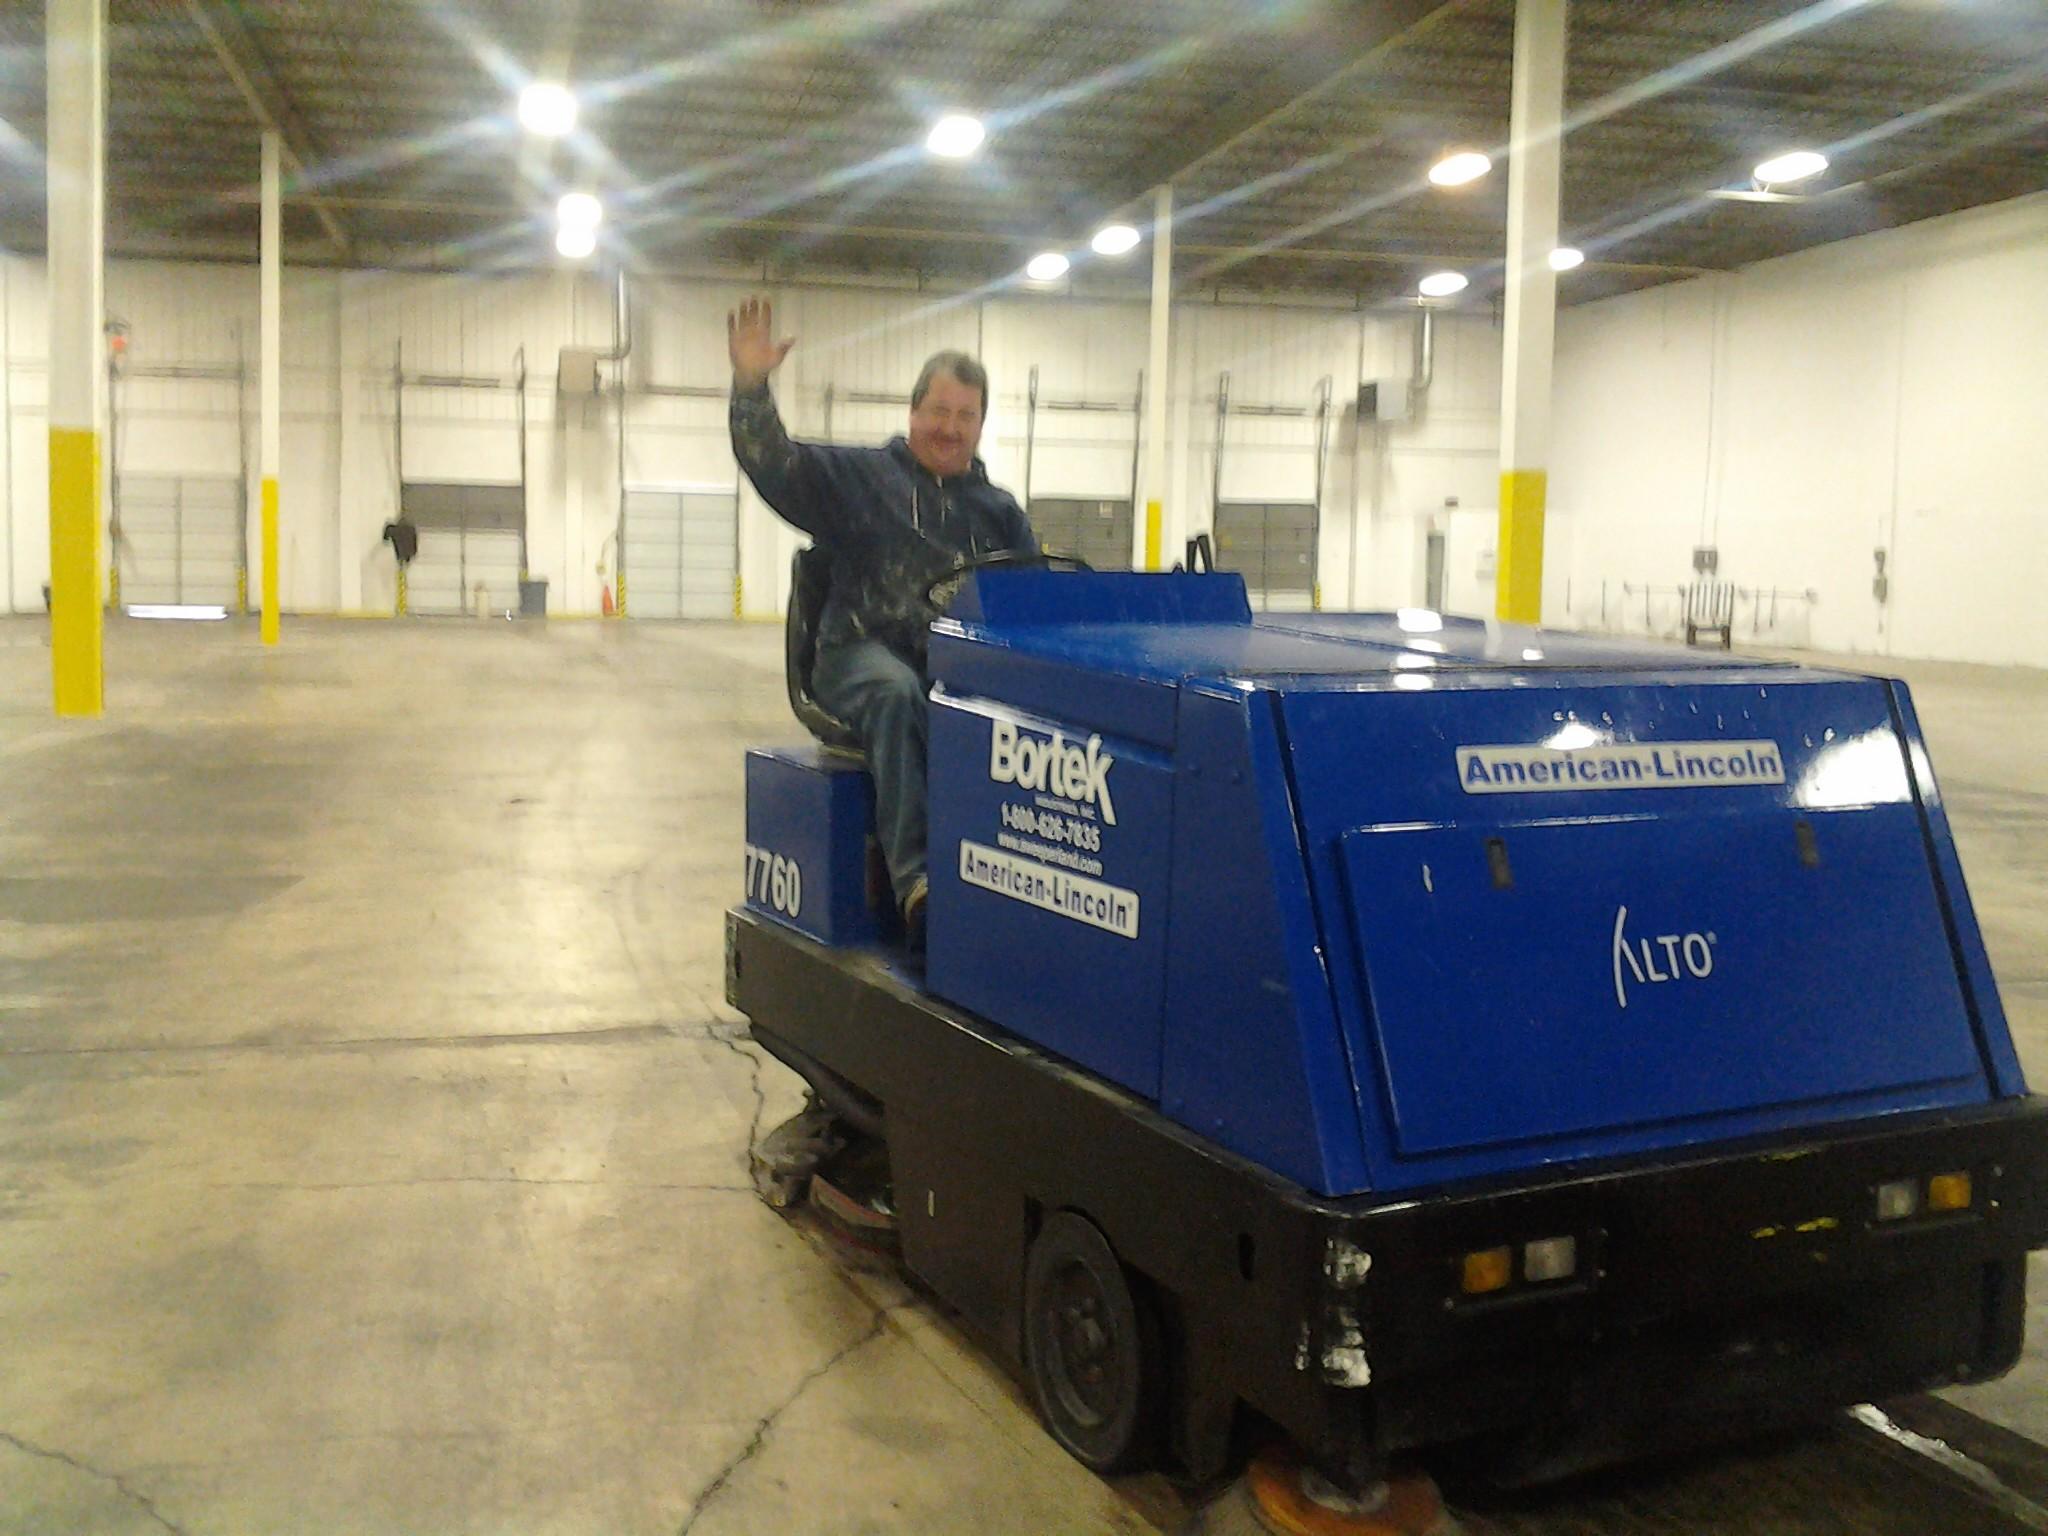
<point x="787" y="135"/>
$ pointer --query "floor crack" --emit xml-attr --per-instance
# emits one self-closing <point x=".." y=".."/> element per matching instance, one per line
<point x="874" y="1330"/>
<point x="731" y="1041"/>
<point x="142" y="1501"/>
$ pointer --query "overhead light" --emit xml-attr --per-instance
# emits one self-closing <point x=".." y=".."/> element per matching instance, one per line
<point x="956" y="136"/>
<point x="1454" y="170"/>
<point x="1565" y="257"/>
<point x="1046" y="267"/>
<point x="1754" y="194"/>
<point x="1441" y="285"/>
<point x="1114" y="240"/>
<point x="575" y="241"/>
<point x="1796" y="166"/>
<point x="579" y="210"/>
<point x="547" y="109"/>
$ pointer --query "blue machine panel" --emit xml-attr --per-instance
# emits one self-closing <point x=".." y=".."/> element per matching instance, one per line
<point x="1050" y="851"/>
<point x="1254" y="1058"/>
<point x="1536" y="980"/>
<point x="1476" y="1019"/>
<point x="809" y="817"/>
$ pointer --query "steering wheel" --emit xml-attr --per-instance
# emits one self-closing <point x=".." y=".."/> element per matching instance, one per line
<point x="942" y="589"/>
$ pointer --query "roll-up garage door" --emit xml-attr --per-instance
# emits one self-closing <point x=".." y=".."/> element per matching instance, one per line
<point x="471" y="537"/>
<point x="180" y="539"/>
<point x="682" y="549"/>
<point x="1099" y="531"/>
<point x="1273" y="546"/>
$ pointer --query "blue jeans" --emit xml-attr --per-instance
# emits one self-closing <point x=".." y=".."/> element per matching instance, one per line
<point x="882" y="697"/>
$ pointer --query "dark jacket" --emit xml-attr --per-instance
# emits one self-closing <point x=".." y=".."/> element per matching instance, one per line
<point x="890" y="524"/>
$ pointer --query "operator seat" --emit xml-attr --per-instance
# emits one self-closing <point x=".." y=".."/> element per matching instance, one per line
<point x="810" y="580"/>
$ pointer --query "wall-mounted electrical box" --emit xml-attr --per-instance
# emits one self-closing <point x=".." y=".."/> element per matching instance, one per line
<point x="577" y="372"/>
<point x="1384" y="400"/>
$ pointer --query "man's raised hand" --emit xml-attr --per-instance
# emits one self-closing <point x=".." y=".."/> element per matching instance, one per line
<point x="750" y="338"/>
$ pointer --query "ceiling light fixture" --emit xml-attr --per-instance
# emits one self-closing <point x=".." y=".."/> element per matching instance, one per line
<point x="955" y="136"/>
<point x="547" y="108"/>
<point x="579" y="210"/>
<point x="1459" y="167"/>
<point x="1565" y="257"/>
<point x="1047" y="267"/>
<point x="576" y="241"/>
<point x="1796" y="166"/>
<point x="1114" y="240"/>
<point x="1441" y="285"/>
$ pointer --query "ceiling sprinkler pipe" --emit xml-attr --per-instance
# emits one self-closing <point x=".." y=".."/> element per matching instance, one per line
<point x="1425" y="353"/>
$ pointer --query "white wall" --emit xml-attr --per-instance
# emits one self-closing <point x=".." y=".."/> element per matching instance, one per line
<point x="1885" y="392"/>
<point x="339" y="481"/>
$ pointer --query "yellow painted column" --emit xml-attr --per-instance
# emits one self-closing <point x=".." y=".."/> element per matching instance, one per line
<point x="1518" y="574"/>
<point x="1152" y="522"/>
<point x="75" y="633"/>
<point x="270" y="620"/>
<point x="272" y="282"/>
<point x="1530" y="314"/>
<point x="76" y="40"/>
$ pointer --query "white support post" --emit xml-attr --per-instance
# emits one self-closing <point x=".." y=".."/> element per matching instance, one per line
<point x="76" y="32"/>
<point x="273" y="392"/>
<point x="1535" y="116"/>
<point x="1158" y="378"/>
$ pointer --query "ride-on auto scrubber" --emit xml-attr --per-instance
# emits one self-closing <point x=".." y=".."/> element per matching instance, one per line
<point x="1396" y="1030"/>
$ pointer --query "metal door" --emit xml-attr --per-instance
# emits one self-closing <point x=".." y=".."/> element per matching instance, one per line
<point x="682" y="553"/>
<point x="181" y="539"/>
<point x="1273" y="546"/>
<point x="1098" y="531"/>
<point x="472" y="543"/>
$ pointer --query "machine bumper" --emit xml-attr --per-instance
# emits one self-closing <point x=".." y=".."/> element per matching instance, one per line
<point x="1709" y="1298"/>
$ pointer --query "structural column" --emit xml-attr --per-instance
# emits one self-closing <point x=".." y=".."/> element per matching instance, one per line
<point x="1533" y="155"/>
<point x="76" y="33"/>
<point x="273" y="392"/>
<point x="1156" y="376"/>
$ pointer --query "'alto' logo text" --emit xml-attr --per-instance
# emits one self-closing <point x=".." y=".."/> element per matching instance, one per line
<point x="1665" y="957"/>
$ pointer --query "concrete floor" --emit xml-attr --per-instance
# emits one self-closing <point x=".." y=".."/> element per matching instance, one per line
<point x="373" y="1133"/>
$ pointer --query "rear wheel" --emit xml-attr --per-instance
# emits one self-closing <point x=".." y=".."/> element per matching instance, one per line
<point x="1091" y="1346"/>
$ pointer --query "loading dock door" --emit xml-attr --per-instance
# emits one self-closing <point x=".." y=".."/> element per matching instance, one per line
<point x="181" y="539"/>
<point x="471" y="539"/>
<point x="1273" y="546"/>
<point x="682" y="553"/>
<point x="1097" y="530"/>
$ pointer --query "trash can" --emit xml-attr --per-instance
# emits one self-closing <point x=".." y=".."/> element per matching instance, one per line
<point x="533" y="597"/>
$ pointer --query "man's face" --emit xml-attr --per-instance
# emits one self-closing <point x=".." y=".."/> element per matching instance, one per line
<point x="945" y="428"/>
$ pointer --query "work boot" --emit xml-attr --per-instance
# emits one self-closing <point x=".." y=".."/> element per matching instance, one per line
<point x="913" y="915"/>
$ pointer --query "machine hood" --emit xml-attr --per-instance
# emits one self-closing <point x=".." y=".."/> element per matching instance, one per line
<point x="1594" y="916"/>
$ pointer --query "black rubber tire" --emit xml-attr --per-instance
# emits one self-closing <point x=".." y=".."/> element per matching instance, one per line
<point x="1091" y="1348"/>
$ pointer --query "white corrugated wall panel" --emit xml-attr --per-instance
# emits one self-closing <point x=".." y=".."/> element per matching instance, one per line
<point x="340" y="474"/>
<point x="1883" y="392"/>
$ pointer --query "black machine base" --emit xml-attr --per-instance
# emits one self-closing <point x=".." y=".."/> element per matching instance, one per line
<point x="1717" y="1292"/>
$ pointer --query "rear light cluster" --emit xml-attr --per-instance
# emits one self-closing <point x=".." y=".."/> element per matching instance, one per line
<point x="1941" y="1195"/>
<point x="1488" y="1271"/>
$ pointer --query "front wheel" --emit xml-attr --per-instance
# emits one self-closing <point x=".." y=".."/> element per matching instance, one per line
<point x="1091" y="1347"/>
